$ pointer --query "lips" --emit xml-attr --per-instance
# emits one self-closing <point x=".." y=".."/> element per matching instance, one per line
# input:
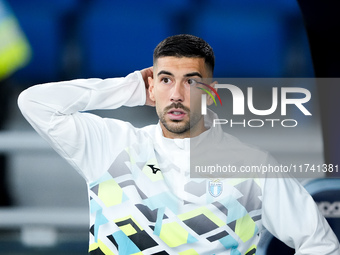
<point x="176" y="114"/>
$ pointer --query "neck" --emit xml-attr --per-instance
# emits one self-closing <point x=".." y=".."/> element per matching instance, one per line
<point x="194" y="131"/>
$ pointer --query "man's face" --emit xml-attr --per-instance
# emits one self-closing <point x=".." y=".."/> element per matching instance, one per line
<point x="171" y="87"/>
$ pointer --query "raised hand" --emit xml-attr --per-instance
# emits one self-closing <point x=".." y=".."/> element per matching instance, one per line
<point x="147" y="72"/>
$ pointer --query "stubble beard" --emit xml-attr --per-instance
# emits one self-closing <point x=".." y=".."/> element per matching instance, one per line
<point x="178" y="126"/>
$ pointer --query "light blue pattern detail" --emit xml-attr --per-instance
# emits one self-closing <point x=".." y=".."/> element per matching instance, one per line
<point x="158" y="225"/>
<point x="94" y="206"/>
<point x="162" y="200"/>
<point x="104" y="178"/>
<point x="191" y="239"/>
<point x="100" y="220"/>
<point x="228" y="242"/>
<point x="125" y="245"/>
<point x="124" y="197"/>
<point x="235" y="209"/>
<point x="256" y="229"/>
<point x="235" y="252"/>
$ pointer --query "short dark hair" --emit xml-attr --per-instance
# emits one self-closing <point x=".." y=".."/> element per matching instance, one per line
<point x="185" y="45"/>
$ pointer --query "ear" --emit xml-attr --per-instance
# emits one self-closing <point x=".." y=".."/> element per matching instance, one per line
<point x="210" y="101"/>
<point x="151" y="89"/>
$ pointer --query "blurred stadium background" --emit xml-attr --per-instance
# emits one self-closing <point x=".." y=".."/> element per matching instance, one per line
<point x="106" y="38"/>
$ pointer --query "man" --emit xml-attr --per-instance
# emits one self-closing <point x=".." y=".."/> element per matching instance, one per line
<point x="142" y="200"/>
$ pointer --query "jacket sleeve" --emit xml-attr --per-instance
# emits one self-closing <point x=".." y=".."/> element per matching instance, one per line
<point x="57" y="112"/>
<point x="291" y="214"/>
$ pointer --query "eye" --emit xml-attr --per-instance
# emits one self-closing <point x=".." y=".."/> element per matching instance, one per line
<point x="192" y="82"/>
<point x="166" y="80"/>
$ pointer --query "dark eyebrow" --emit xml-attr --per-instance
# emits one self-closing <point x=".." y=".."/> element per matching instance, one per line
<point x="193" y="74"/>
<point x="164" y="72"/>
<point x="186" y="75"/>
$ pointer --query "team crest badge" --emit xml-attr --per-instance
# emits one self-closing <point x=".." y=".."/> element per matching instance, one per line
<point x="215" y="188"/>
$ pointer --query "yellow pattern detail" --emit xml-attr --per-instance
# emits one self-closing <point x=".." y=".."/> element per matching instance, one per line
<point x="257" y="181"/>
<point x="129" y="217"/>
<point x="245" y="228"/>
<point x="128" y="229"/>
<point x="110" y="193"/>
<point x="251" y="247"/>
<point x="102" y="247"/>
<point x="173" y="234"/>
<point x="189" y="252"/>
<point x="93" y="246"/>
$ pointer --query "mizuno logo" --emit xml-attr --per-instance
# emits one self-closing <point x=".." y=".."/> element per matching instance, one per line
<point x="154" y="169"/>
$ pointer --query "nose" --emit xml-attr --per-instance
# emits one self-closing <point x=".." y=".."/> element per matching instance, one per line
<point x="177" y="93"/>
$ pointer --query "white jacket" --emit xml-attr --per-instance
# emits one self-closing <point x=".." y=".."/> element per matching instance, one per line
<point x="142" y="199"/>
